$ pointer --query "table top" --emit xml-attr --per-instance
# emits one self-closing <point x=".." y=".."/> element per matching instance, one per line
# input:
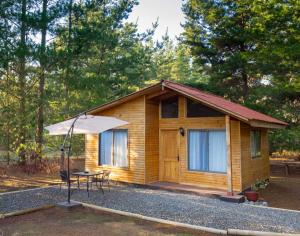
<point x="82" y="173"/>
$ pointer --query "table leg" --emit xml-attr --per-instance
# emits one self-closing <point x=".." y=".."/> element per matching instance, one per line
<point x="78" y="182"/>
<point x="87" y="185"/>
<point x="286" y="170"/>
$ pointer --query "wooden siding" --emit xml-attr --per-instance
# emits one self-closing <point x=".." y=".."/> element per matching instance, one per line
<point x="151" y="142"/>
<point x="235" y="143"/>
<point x="258" y="168"/>
<point x="194" y="177"/>
<point x="206" y="179"/>
<point x="133" y="112"/>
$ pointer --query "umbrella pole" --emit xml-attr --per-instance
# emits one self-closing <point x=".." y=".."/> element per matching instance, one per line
<point x="69" y="152"/>
<point x="70" y="133"/>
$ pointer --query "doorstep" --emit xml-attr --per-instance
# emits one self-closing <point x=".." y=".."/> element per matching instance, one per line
<point x="190" y="189"/>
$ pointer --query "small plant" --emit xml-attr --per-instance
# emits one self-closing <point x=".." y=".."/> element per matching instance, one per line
<point x="260" y="184"/>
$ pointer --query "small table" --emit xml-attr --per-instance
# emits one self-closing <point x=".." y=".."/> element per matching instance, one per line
<point x="87" y="175"/>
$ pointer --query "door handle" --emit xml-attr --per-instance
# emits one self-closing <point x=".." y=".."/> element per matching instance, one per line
<point x="178" y="158"/>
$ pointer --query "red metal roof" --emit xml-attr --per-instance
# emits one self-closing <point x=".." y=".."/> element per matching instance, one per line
<point x="221" y="103"/>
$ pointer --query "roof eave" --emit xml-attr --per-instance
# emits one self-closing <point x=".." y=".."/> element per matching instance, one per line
<point x="268" y="125"/>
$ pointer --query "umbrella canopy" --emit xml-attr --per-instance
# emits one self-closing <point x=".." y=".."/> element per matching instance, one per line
<point x="86" y="124"/>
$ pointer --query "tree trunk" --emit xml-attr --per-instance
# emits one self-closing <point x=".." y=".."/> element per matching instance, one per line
<point x="245" y="84"/>
<point x="69" y="60"/>
<point x="244" y="74"/>
<point x="41" y="88"/>
<point x="22" y="76"/>
<point x="8" y="117"/>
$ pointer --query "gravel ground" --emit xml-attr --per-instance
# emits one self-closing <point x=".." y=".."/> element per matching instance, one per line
<point x="183" y="208"/>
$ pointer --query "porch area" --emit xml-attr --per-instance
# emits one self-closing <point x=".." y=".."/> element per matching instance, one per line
<point x="190" y="189"/>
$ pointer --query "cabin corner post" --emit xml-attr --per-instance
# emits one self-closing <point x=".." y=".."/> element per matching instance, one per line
<point x="228" y="152"/>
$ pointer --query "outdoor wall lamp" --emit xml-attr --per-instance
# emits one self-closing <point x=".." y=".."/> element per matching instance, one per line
<point x="181" y="131"/>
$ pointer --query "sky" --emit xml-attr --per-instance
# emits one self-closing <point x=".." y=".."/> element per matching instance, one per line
<point x="168" y="12"/>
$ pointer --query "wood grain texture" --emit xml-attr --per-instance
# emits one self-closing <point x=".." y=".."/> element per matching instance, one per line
<point x="151" y="142"/>
<point x="228" y="153"/>
<point x="203" y="179"/>
<point x="133" y="112"/>
<point x="258" y="168"/>
<point x="235" y="141"/>
<point x="169" y="152"/>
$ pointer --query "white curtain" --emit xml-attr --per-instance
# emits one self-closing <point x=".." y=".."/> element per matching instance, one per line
<point x="207" y="150"/>
<point x="120" y="148"/>
<point x="217" y="151"/>
<point x="198" y="150"/>
<point x="106" y="148"/>
<point x="255" y="137"/>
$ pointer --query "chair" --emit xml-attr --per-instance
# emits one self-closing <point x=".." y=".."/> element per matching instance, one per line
<point x="102" y="179"/>
<point x="106" y="174"/>
<point x="64" y="178"/>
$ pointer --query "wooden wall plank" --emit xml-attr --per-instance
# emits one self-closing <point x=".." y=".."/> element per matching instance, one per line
<point x="228" y="152"/>
<point x="258" y="168"/>
<point x="203" y="179"/>
<point x="133" y="112"/>
<point x="151" y="142"/>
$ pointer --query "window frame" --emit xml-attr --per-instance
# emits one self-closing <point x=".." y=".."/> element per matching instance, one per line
<point x="219" y="115"/>
<point x="188" y="148"/>
<point x="161" y="109"/>
<point x="254" y="157"/>
<point x="113" y="159"/>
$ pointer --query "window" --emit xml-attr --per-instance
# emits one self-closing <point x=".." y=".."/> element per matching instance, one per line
<point x="207" y="150"/>
<point x="169" y="108"/>
<point x="113" y="148"/>
<point x="196" y="109"/>
<point x="255" y="137"/>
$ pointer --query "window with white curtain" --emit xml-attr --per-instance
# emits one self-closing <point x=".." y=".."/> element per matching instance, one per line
<point x="113" y="149"/>
<point x="207" y="150"/>
<point x="255" y="139"/>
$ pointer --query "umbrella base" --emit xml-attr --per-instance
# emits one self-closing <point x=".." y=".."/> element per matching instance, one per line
<point x="68" y="205"/>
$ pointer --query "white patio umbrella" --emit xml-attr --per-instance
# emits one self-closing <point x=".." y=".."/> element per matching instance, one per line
<point x="85" y="124"/>
<point x="82" y="124"/>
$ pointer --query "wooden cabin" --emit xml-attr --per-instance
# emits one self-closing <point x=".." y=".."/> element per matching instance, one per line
<point x="182" y="135"/>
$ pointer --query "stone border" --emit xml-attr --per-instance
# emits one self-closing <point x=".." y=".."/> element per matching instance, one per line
<point x="23" y="212"/>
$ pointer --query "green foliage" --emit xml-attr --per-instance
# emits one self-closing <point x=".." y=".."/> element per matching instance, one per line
<point x="250" y="52"/>
<point x="175" y="62"/>
<point x="286" y="139"/>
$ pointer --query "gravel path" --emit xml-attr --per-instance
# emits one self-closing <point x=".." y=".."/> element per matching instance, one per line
<point x="166" y="205"/>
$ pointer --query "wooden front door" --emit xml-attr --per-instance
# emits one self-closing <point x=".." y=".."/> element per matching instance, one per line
<point x="169" y="156"/>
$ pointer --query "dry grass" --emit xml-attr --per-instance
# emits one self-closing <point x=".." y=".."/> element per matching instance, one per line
<point x="285" y="155"/>
<point x="14" y="179"/>
<point x="82" y="221"/>
<point x="283" y="192"/>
